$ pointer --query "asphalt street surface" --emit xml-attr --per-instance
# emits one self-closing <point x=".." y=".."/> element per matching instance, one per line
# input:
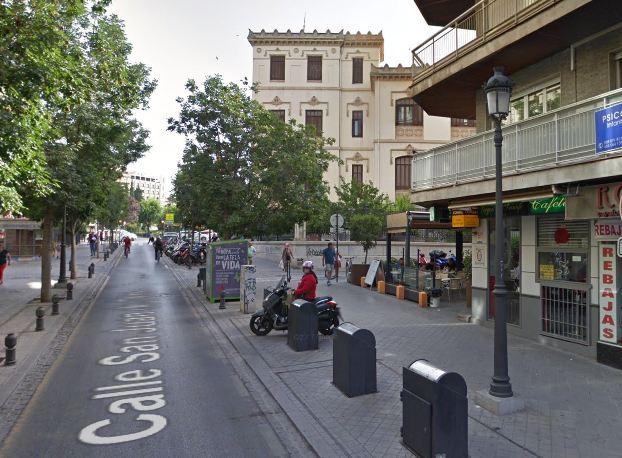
<point x="140" y="376"/>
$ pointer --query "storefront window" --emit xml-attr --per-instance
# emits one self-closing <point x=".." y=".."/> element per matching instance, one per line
<point x="562" y="270"/>
<point x="562" y="266"/>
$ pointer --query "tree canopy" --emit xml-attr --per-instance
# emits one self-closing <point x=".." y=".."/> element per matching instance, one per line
<point x="243" y="170"/>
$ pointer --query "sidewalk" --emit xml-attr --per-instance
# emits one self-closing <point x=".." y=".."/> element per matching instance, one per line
<point x="36" y="351"/>
<point x="22" y="280"/>
<point x="574" y="405"/>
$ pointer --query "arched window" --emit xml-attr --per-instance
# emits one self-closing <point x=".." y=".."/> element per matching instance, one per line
<point x="408" y="113"/>
<point x="402" y="172"/>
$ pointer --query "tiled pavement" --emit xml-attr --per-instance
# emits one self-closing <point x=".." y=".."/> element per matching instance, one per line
<point x="574" y="405"/>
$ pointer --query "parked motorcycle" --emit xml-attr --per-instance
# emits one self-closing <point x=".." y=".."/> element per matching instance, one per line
<point x="273" y="314"/>
<point x="439" y="260"/>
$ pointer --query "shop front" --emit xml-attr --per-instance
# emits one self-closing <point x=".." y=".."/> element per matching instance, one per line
<point x="600" y="206"/>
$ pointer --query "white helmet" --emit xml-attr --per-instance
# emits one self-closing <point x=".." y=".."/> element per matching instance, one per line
<point x="307" y="264"/>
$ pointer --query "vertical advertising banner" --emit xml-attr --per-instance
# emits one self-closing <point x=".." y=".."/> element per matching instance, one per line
<point x="228" y="259"/>
<point x="608" y="293"/>
<point x="608" y="127"/>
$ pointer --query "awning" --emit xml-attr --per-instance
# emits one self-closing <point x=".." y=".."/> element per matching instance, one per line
<point x="506" y="200"/>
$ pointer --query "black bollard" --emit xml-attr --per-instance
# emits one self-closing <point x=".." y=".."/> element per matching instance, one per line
<point x="222" y="301"/>
<point x="69" y="291"/>
<point x="40" y="313"/>
<point x="199" y="279"/>
<point x="106" y="255"/>
<point x="91" y="270"/>
<point x="55" y="300"/>
<point x="10" y="342"/>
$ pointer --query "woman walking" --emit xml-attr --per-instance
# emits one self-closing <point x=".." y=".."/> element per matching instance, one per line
<point x="5" y="260"/>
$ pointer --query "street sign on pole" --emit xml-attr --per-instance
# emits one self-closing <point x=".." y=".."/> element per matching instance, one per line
<point x="336" y="220"/>
<point x="169" y="217"/>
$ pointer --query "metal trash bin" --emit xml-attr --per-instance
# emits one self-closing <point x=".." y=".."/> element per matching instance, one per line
<point x="354" y="360"/>
<point x="302" y="324"/>
<point x="434" y="411"/>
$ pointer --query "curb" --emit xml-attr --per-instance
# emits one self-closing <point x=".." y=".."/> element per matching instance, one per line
<point x="17" y="400"/>
<point x="316" y="435"/>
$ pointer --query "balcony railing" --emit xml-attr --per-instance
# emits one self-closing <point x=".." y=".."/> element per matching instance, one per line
<point x="483" y="21"/>
<point x="560" y="137"/>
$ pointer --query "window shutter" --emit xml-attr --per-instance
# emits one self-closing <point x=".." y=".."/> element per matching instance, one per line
<point x="550" y="226"/>
<point x="314" y="68"/>
<point x="357" y="70"/>
<point x="277" y="68"/>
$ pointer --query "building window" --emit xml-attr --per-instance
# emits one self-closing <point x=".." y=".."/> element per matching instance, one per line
<point x="535" y="103"/>
<point x="314" y="118"/>
<point x="357" y="173"/>
<point x="462" y="122"/>
<point x="280" y="114"/>
<point x="357" y="123"/>
<point x="277" y="68"/>
<point x="616" y="70"/>
<point x="408" y="113"/>
<point x="402" y="172"/>
<point x="314" y="68"/>
<point x="357" y="70"/>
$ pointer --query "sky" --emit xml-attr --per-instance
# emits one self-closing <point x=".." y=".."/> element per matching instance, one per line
<point x="182" y="39"/>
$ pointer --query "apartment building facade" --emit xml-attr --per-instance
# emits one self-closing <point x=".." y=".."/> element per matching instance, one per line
<point x="152" y="187"/>
<point x="334" y="81"/>
<point x="562" y="160"/>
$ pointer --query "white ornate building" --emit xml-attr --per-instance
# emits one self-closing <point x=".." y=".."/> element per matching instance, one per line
<point x="334" y="81"/>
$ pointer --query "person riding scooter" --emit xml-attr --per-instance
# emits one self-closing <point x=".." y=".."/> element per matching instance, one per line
<point x="308" y="283"/>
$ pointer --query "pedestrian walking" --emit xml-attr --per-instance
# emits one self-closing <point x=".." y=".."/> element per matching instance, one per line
<point x="337" y="263"/>
<point x="328" y="261"/>
<point x="5" y="260"/>
<point x="251" y="252"/>
<point x="92" y="238"/>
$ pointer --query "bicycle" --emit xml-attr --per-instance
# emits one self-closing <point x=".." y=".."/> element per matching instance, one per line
<point x="126" y="251"/>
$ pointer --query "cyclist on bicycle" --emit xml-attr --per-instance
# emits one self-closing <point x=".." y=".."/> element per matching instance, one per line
<point x="128" y="243"/>
<point x="158" y="246"/>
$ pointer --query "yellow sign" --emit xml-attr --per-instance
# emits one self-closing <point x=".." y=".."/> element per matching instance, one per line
<point x="461" y="221"/>
<point x="547" y="272"/>
<point x="169" y="217"/>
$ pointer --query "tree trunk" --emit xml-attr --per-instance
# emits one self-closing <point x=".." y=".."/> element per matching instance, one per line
<point x="73" y="251"/>
<point x="365" y="257"/>
<point x="46" y="257"/>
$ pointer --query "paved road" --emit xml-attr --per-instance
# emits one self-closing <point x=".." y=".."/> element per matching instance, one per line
<point x="140" y="376"/>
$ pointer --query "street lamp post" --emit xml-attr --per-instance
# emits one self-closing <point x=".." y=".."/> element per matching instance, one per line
<point x="62" y="276"/>
<point x="498" y="91"/>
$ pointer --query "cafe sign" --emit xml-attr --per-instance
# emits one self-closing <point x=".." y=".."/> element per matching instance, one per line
<point x="550" y="205"/>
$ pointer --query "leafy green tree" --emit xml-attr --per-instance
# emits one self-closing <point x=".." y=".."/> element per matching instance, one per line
<point x="366" y="229"/>
<point x="150" y="213"/>
<point x="94" y="137"/>
<point x="401" y="204"/>
<point x="364" y="209"/>
<point x="41" y="71"/>
<point x="138" y="194"/>
<point x="356" y="198"/>
<point x="243" y="171"/>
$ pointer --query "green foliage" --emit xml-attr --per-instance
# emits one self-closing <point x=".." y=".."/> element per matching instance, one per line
<point x="402" y="204"/>
<point x="115" y="206"/>
<point x="137" y="194"/>
<point x="243" y="171"/>
<point x="150" y="213"/>
<point x="366" y="228"/>
<point x="360" y="198"/>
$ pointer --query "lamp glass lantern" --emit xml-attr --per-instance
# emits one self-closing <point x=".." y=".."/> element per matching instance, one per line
<point x="498" y="92"/>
